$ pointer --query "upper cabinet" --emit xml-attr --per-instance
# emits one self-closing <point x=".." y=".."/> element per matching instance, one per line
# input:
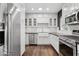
<point x="41" y="20"/>
<point x="49" y="22"/>
<point x="34" y="22"/>
<point x="30" y="22"/>
<point x="52" y="22"/>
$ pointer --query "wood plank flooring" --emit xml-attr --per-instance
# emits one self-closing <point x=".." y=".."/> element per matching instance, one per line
<point x="40" y="51"/>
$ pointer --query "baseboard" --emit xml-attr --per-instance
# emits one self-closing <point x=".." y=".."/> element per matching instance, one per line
<point x="31" y="45"/>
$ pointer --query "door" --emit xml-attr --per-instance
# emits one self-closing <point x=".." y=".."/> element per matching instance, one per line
<point x="14" y="33"/>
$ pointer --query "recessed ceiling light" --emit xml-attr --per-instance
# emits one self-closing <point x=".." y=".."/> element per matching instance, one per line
<point x="72" y="8"/>
<point x="32" y="8"/>
<point x="47" y="8"/>
<point x="64" y="8"/>
<point x="40" y="9"/>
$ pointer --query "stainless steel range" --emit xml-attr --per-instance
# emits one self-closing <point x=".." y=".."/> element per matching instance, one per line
<point x="69" y="45"/>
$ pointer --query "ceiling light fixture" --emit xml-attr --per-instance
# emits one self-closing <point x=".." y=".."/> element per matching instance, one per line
<point x="64" y="8"/>
<point x="47" y="8"/>
<point x="40" y="9"/>
<point x="32" y="8"/>
<point x="72" y="8"/>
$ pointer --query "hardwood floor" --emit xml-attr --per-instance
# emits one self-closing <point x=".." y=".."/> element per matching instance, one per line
<point x="40" y="51"/>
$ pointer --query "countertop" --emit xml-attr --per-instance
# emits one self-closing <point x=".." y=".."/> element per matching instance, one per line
<point x="75" y="38"/>
<point x="67" y="36"/>
<point x="54" y="33"/>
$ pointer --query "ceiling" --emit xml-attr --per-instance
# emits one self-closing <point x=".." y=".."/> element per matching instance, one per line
<point x="43" y="7"/>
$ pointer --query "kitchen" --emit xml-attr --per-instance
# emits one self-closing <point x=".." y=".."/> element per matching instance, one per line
<point x="39" y="24"/>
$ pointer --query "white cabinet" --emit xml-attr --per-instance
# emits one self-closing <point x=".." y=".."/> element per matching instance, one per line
<point x="52" y="22"/>
<point x="43" y="38"/>
<point x="54" y="41"/>
<point x="26" y="39"/>
<point x="31" y="22"/>
<point x="31" y="38"/>
<point x="1" y="50"/>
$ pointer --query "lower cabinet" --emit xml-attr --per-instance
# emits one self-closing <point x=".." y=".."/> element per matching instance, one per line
<point x="54" y="41"/>
<point x="43" y="39"/>
<point x="31" y="38"/>
<point x="40" y="38"/>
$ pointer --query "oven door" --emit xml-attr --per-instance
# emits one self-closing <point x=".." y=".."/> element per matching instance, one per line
<point x="65" y="50"/>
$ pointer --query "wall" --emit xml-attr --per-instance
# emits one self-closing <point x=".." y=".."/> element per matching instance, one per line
<point x="22" y="31"/>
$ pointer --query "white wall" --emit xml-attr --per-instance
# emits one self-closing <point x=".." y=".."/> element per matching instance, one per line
<point x="22" y="31"/>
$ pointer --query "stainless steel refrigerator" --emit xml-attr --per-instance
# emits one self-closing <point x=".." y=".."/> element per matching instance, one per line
<point x="13" y="32"/>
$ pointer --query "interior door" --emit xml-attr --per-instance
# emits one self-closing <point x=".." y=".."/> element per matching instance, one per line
<point x="14" y="34"/>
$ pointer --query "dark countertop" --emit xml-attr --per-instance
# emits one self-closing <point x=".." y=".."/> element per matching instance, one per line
<point x="54" y="33"/>
<point x="75" y="38"/>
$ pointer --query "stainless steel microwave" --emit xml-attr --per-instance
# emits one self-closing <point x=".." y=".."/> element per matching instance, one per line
<point x="73" y="18"/>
